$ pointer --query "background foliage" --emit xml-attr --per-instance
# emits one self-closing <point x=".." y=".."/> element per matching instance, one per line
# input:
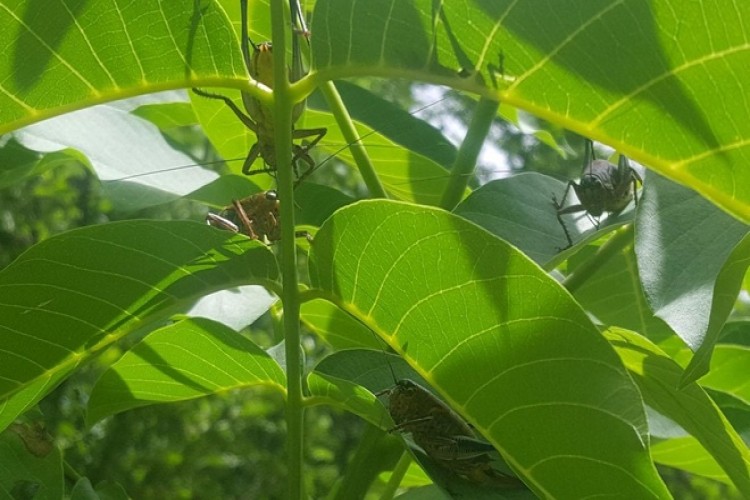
<point x="659" y="83"/>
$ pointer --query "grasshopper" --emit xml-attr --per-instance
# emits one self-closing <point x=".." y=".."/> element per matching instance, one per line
<point x="604" y="187"/>
<point x="256" y="216"/>
<point x="258" y="117"/>
<point x="442" y="434"/>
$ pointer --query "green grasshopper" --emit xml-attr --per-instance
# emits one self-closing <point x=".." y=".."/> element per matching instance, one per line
<point x="258" y="117"/>
<point x="444" y="437"/>
<point x="256" y="216"/>
<point x="604" y="187"/>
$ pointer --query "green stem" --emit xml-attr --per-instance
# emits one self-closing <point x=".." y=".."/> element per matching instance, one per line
<point x="377" y="451"/>
<point x="396" y="476"/>
<point x="282" y="115"/>
<point x="466" y="159"/>
<point x="70" y="473"/>
<point x="612" y="247"/>
<point x="356" y="146"/>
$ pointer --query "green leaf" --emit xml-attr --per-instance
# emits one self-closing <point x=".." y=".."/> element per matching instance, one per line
<point x="736" y="411"/>
<point x="316" y="202"/>
<point x="167" y="116"/>
<point x="613" y="294"/>
<point x="104" y="136"/>
<point x="729" y="371"/>
<point x="529" y="125"/>
<point x="687" y="454"/>
<point x="24" y="399"/>
<point x="499" y="339"/>
<point x="336" y="327"/>
<point x="657" y="101"/>
<point x="186" y="360"/>
<point x="392" y="123"/>
<point x="31" y="465"/>
<point x="83" y="490"/>
<point x="18" y="162"/>
<point x="342" y="377"/>
<point x="658" y="377"/>
<point x="75" y="294"/>
<point x="692" y="258"/>
<point x="376" y="451"/>
<point x="405" y="174"/>
<point x="736" y="332"/>
<point x="519" y="209"/>
<point x="64" y="56"/>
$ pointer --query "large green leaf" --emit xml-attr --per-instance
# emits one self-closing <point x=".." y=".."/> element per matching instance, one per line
<point x="60" y="56"/>
<point x="673" y="98"/>
<point x="75" y="294"/>
<point x="686" y="453"/>
<point x="498" y="338"/>
<point x="658" y="377"/>
<point x="613" y="294"/>
<point x="663" y="79"/>
<point x="186" y="360"/>
<point x="341" y="379"/>
<point x="691" y="258"/>
<point x="105" y="137"/>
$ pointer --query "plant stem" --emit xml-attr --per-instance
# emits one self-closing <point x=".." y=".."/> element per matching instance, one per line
<point x="466" y="159"/>
<point x="614" y="245"/>
<point x="377" y="451"/>
<point x="396" y="476"/>
<point x="345" y="123"/>
<point x="282" y="115"/>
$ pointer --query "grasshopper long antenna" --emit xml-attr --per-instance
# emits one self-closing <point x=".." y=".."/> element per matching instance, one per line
<point x="308" y="171"/>
<point x="171" y="169"/>
<point x="390" y="367"/>
<point x="588" y="154"/>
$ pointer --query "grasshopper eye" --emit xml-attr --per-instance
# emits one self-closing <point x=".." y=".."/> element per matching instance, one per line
<point x="589" y="182"/>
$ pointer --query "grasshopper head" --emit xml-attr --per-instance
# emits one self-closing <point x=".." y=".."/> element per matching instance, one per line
<point x="261" y="67"/>
<point x="592" y="191"/>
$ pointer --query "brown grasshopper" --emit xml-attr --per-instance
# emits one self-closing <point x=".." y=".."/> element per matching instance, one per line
<point x="604" y="187"/>
<point x="258" y="117"/>
<point x="256" y="216"/>
<point x="443" y="435"/>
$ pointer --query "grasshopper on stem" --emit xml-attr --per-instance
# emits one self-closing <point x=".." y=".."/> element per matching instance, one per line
<point x="256" y="116"/>
<point x="256" y="216"/>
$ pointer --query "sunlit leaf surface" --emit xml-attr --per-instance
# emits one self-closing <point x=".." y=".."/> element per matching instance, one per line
<point x="77" y="293"/>
<point x="673" y="98"/>
<point x="498" y="338"/>
<point x="187" y="360"/>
